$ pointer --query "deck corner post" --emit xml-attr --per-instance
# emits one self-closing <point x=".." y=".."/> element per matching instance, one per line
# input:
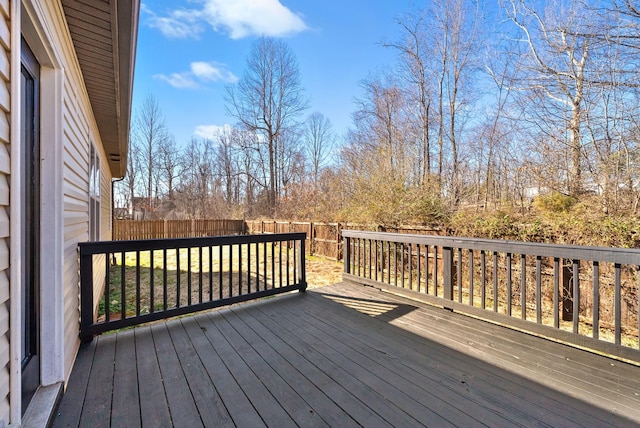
<point x="86" y="296"/>
<point x="301" y="268"/>
<point x="347" y="254"/>
<point x="448" y="267"/>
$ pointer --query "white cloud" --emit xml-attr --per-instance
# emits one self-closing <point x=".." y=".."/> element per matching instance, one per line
<point x="212" y="72"/>
<point x="201" y="71"/>
<point x="210" y="131"/>
<point x="180" y="24"/>
<point x="238" y="18"/>
<point x="178" y="80"/>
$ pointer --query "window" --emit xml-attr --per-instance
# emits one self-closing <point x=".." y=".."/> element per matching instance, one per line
<point x="94" y="195"/>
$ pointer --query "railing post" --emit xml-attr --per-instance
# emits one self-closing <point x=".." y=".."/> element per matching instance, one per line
<point x="301" y="265"/>
<point x="347" y="254"/>
<point x="447" y="258"/>
<point x="86" y="296"/>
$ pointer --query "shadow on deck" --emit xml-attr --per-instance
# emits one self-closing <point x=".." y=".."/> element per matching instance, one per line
<point x="342" y="355"/>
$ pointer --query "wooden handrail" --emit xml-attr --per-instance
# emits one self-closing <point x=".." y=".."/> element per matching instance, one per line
<point x="588" y="296"/>
<point x="126" y="283"/>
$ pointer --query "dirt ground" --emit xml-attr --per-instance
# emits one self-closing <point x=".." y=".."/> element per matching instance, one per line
<point x="321" y="271"/>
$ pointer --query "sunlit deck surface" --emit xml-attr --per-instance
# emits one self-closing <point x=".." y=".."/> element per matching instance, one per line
<point x="342" y="355"/>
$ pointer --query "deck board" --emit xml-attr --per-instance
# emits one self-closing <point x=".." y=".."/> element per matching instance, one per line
<point x="202" y="388"/>
<point x="257" y="393"/>
<point x="179" y="396"/>
<point x="597" y="380"/>
<point x="343" y="355"/>
<point x="126" y="402"/>
<point x="153" y="400"/>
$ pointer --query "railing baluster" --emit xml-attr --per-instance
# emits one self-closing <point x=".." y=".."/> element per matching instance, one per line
<point x="576" y="296"/>
<point x="389" y="262"/>
<point x="539" y="289"/>
<point x="264" y="265"/>
<point x="249" y="267"/>
<point x="470" y="277"/>
<point x="239" y="270"/>
<point x="200" y="275"/>
<point x="418" y="266"/>
<point x="230" y="270"/>
<point x="523" y="286"/>
<point x="556" y="292"/>
<point x="595" y="308"/>
<point x="402" y="264"/>
<point x="178" y="277"/>
<point x="210" y="273"/>
<point x="617" y="302"/>
<point x="273" y="266"/>
<point x="459" y="275"/>
<point x="509" y="283"/>
<point x="189" y="276"/>
<point x="410" y="261"/>
<point x="435" y="270"/>
<point x="220" y="274"/>
<point x="107" y="290"/>
<point x="138" y="284"/>
<point x="164" y="279"/>
<point x="152" y="274"/>
<point x="426" y="268"/>
<point x="495" y="281"/>
<point x="370" y="258"/>
<point x="395" y="264"/>
<point x="123" y="284"/>
<point x="483" y="279"/>
<point x="287" y="262"/>
<point x="280" y="264"/>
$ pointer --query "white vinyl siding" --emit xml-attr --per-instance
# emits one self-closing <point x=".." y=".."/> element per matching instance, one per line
<point x="78" y="136"/>
<point x="4" y="207"/>
<point x="77" y="132"/>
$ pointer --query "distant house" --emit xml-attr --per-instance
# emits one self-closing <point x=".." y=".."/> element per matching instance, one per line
<point x="65" y="103"/>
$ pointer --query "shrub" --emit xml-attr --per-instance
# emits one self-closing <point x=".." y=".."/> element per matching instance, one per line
<point x="555" y="202"/>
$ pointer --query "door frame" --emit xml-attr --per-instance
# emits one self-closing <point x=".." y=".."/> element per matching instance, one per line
<point x="31" y="238"/>
<point x="31" y="19"/>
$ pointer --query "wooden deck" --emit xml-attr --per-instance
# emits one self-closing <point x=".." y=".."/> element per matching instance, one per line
<point x="342" y="355"/>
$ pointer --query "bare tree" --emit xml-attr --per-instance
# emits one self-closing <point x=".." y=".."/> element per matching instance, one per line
<point x="268" y="99"/>
<point x="320" y="142"/>
<point x="415" y="50"/>
<point x="169" y="164"/>
<point x="149" y="131"/>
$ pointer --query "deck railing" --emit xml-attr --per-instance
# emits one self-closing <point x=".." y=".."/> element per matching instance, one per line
<point x="126" y="283"/>
<point x="587" y="296"/>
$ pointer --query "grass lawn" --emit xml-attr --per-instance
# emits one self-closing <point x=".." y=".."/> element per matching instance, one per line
<point x="195" y="275"/>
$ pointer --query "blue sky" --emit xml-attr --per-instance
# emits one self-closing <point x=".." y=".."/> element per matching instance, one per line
<point x="188" y="50"/>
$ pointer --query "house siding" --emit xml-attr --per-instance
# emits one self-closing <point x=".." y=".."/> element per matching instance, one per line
<point x="5" y="43"/>
<point x="79" y="132"/>
<point x="75" y="129"/>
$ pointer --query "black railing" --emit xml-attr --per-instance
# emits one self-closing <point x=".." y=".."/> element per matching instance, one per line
<point x="588" y="296"/>
<point x="126" y="283"/>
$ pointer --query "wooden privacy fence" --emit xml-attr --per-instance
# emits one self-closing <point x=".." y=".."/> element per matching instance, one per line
<point x="125" y="230"/>
<point x="588" y="296"/>
<point x="325" y="239"/>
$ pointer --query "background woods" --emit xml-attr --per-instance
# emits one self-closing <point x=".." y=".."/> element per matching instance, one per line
<point x="514" y="106"/>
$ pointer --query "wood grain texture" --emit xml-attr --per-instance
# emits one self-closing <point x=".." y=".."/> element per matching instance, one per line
<point x="349" y="355"/>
